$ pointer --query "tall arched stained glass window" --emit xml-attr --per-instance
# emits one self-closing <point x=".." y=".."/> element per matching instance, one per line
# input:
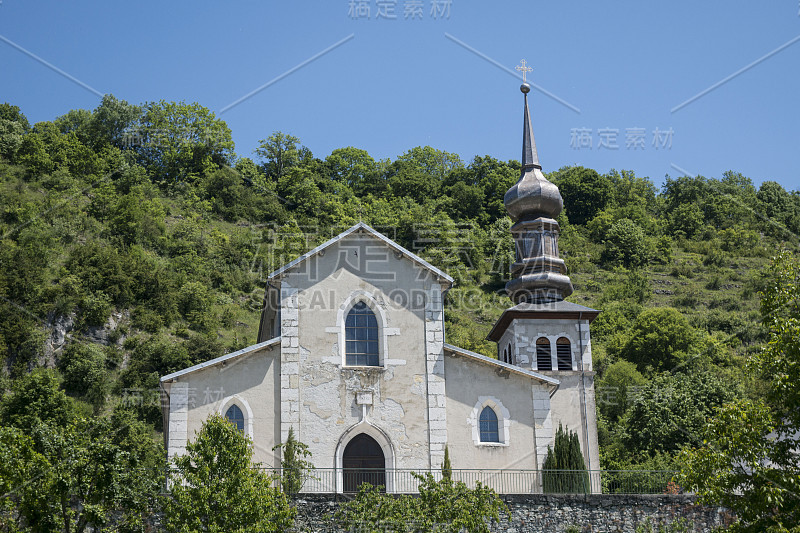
<point x="235" y="415"/>
<point x="488" y="421"/>
<point x="361" y="336"/>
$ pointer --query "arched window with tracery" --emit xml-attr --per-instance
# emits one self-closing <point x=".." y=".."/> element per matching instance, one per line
<point x="544" y="360"/>
<point x="361" y="337"/>
<point x="564" y="353"/>
<point x="235" y="415"/>
<point x="488" y="425"/>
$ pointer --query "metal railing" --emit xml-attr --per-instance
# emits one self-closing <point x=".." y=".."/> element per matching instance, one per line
<point x="502" y="481"/>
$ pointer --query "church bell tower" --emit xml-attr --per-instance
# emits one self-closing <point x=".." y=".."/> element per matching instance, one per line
<point x="543" y="332"/>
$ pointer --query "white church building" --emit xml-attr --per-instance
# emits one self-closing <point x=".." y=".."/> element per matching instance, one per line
<point x="352" y="354"/>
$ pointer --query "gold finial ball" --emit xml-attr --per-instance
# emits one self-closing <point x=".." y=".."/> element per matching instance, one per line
<point x="525" y="88"/>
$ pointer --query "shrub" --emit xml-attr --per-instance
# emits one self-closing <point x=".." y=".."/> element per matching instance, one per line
<point x="294" y="466"/>
<point x="95" y="309"/>
<point x="444" y="506"/>
<point x="661" y="338"/>
<point x="147" y="320"/>
<point x="84" y="369"/>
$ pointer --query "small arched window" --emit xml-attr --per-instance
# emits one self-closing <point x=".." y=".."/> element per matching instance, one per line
<point x="361" y="336"/>
<point x="510" y="359"/>
<point x="488" y="423"/>
<point x="544" y="359"/>
<point x="564" y="353"/>
<point x="236" y="417"/>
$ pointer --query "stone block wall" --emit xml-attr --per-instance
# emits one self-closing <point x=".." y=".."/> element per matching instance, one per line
<point x="554" y="513"/>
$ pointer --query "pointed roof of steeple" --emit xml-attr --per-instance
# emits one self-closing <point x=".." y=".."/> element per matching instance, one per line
<point x="530" y="157"/>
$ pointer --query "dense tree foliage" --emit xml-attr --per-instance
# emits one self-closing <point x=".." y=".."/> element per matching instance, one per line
<point x="585" y="192"/>
<point x="748" y="458"/>
<point x="661" y="339"/>
<point x="671" y="410"/>
<point x="61" y="471"/>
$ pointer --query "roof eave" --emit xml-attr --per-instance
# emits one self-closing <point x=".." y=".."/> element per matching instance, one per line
<point x="220" y="360"/>
<point x="499" y="364"/>
<point x="510" y="314"/>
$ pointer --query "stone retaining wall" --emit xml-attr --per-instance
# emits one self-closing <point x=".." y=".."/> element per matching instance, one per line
<point x="553" y="513"/>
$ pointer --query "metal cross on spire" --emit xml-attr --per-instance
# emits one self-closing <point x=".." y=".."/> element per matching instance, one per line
<point x="523" y="68"/>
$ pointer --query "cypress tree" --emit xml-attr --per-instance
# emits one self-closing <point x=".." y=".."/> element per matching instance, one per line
<point x="563" y="469"/>
<point x="294" y="467"/>
<point x="447" y="470"/>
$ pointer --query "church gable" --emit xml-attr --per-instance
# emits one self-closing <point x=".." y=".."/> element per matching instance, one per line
<point x="358" y="259"/>
<point x="377" y="259"/>
<point x="353" y="296"/>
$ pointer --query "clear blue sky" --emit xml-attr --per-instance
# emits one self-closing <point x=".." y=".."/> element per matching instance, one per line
<point x="399" y="83"/>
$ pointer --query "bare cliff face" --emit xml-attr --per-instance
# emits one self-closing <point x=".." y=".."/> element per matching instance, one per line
<point x="61" y="329"/>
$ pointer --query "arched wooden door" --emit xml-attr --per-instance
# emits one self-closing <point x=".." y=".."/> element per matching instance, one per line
<point x="363" y="462"/>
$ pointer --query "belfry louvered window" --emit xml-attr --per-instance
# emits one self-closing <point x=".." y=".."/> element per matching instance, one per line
<point x="564" y="354"/>
<point x="544" y="359"/>
<point x="361" y="336"/>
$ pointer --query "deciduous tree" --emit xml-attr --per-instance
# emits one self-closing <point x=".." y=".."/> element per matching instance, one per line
<point x="215" y="487"/>
<point x="661" y="339"/>
<point x="585" y="192"/>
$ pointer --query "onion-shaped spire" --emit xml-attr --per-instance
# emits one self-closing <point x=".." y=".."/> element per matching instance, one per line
<point x="538" y="274"/>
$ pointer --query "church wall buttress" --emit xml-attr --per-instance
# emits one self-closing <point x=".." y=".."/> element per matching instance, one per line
<point x="178" y="419"/>
<point x="290" y="363"/>
<point x="543" y="421"/>
<point x="434" y="351"/>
